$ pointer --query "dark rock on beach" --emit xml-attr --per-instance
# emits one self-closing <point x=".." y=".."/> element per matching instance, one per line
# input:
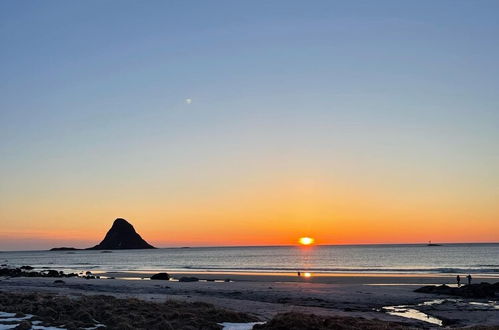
<point x="160" y="276"/>
<point x="20" y="272"/>
<point x="24" y="325"/>
<point x="52" y="273"/>
<point x="481" y="290"/>
<point x="188" y="279"/>
<point x="122" y="235"/>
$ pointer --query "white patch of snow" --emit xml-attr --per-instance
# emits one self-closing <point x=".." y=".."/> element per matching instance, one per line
<point x="239" y="326"/>
<point x="10" y="317"/>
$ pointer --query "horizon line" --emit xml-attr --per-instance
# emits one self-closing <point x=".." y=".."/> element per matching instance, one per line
<point x="285" y="245"/>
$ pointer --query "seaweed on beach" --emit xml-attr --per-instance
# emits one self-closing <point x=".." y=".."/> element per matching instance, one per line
<point x="115" y="313"/>
<point x="301" y="321"/>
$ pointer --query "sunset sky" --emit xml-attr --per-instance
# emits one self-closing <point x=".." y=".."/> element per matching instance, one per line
<point x="249" y="122"/>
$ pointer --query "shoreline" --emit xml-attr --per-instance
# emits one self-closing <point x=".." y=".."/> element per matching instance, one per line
<point x="384" y="278"/>
<point x="327" y="278"/>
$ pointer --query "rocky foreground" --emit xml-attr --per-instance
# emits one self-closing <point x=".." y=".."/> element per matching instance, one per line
<point x="481" y="290"/>
<point x="300" y="321"/>
<point x="107" y="312"/>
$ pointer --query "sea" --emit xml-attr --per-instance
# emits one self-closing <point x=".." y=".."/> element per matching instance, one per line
<point x="396" y="259"/>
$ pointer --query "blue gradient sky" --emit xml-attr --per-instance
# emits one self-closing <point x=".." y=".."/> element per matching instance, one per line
<point x="388" y="107"/>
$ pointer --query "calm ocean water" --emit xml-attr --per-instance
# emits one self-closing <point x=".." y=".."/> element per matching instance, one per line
<point x="449" y="258"/>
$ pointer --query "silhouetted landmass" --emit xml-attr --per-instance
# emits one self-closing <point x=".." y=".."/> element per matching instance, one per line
<point x="482" y="290"/>
<point x="63" y="248"/>
<point x="122" y="235"/>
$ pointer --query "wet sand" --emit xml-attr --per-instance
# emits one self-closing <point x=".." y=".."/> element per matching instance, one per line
<point x="327" y="278"/>
<point x="264" y="296"/>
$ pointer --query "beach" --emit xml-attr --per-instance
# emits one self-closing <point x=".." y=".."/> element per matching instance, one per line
<point x="272" y="285"/>
<point x="263" y="296"/>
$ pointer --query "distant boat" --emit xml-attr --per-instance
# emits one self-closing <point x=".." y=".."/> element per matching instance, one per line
<point x="433" y="244"/>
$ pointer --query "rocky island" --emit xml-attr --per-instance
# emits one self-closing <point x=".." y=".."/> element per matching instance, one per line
<point x="122" y="236"/>
<point x="63" y="248"/>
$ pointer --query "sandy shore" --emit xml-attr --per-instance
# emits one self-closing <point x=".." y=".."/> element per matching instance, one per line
<point x="327" y="278"/>
<point x="267" y="295"/>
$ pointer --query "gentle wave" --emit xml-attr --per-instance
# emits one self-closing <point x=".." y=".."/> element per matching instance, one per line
<point x="401" y="259"/>
<point x="352" y="270"/>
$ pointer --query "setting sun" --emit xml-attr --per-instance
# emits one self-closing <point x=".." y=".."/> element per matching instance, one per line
<point x="306" y="240"/>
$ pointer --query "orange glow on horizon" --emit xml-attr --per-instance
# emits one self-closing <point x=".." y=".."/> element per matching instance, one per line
<point x="274" y="212"/>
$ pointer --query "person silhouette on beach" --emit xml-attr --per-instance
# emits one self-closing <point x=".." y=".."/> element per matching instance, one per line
<point x="469" y="279"/>
<point x="458" y="279"/>
<point x="299" y="274"/>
